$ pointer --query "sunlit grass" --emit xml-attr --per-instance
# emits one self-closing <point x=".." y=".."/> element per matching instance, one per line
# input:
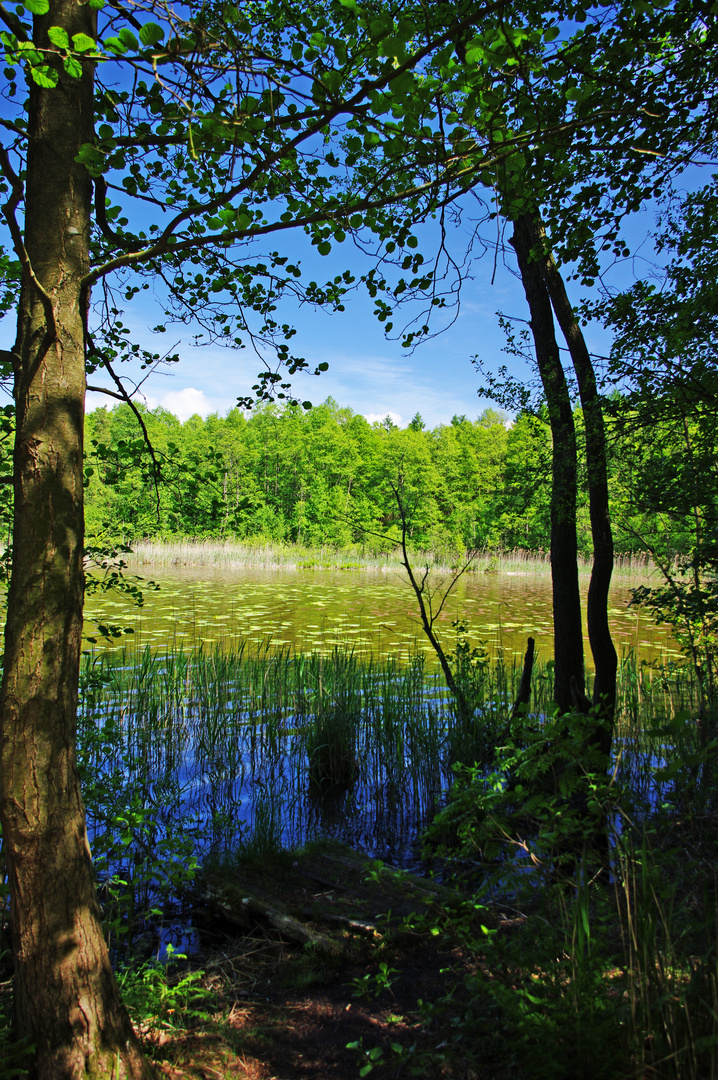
<point x="230" y="553"/>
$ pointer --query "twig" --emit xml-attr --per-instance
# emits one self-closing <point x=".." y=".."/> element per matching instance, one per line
<point x="124" y="396"/>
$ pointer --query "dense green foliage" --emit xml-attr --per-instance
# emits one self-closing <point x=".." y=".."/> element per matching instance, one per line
<point x="317" y="477"/>
<point x="323" y="477"/>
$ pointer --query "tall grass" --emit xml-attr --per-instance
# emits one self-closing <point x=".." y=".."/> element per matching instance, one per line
<point x="273" y="555"/>
<point x="178" y="750"/>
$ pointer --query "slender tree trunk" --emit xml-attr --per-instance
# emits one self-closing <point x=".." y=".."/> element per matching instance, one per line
<point x="568" y="633"/>
<point x="599" y="633"/>
<point x="66" y="998"/>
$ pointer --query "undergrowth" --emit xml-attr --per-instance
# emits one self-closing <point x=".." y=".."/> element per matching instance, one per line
<point x="588" y="938"/>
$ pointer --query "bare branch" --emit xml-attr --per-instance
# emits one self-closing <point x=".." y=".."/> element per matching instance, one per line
<point x="13" y="23"/>
<point x="110" y="393"/>
<point x="124" y="396"/>
<point x="8" y="210"/>
<point x="101" y="217"/>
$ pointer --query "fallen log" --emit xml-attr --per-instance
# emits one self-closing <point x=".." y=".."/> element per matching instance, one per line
<point x="243" y="908"/>
<point x="398" y="881"/>
<point x="358" y="926"/>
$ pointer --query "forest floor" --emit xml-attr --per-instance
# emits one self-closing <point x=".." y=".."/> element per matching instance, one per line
<point x="283" y="1018"/>
<point x="384" y="988"/>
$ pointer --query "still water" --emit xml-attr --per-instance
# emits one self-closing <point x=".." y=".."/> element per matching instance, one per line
<point x="373" y="612"/>
<point x="218" y="762"/>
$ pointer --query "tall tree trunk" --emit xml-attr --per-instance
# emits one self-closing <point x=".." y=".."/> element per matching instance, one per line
<point x="568" y="633"/>
<point x="599" y="633"/>
<point x="66" y="998"/>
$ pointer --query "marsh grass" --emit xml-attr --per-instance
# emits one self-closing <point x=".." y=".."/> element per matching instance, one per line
<point x="214" y="756"/>
<point x="274" y="555"/>
<point x="191" y="754"/>
<point x="331" y="745"/>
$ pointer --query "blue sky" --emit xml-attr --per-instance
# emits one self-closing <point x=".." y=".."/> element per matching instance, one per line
<point x="367" y="372"/>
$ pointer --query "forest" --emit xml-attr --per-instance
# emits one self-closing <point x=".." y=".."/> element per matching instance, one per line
<point x="561" y="919"/>
<point x="323" y="477"/>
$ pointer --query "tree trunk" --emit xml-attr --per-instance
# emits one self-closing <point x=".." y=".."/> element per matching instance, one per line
<point x="568" y="633"/>
<point x="599" y="633"/>
<point x="66" y="998"/>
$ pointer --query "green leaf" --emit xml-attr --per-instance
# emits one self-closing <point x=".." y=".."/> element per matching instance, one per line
<point x="351" y="4"/>
<point x="37" y="7"/>
<point x="475" y="52"/>
<point x="128" y="39"/>
<point x="72" y="66"/>
<point x="83" y="43"/>
<point x="59" y="37"/>
<point x="114" y="45"/>
<point x="151" y="34"/>
<point x="92" y="158"/>
<point x="324" y="248"/>
<point x="551" y="33"/>
<point x="44" y="76"/>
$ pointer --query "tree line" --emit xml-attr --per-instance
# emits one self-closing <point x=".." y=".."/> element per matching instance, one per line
<point x="319" y="477"/>
<point x="281" y="474"/>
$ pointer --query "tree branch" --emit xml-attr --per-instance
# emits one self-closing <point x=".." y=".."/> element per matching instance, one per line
<point x="13" y="23"/>
<point x="8" y="211"/>
<point x="101" y="217"/>
<point x="110" y="393"/>
<point x="124" y="396"/>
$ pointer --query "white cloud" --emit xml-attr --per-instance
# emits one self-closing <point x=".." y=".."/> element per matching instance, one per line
<point x="185" y="403"/>
<point x="373" y="417"/>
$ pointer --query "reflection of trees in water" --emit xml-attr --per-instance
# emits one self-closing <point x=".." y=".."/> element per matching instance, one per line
<point x="363" y="610"/>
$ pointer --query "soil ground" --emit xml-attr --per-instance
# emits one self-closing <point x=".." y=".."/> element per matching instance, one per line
<point x="387" y="1001"/>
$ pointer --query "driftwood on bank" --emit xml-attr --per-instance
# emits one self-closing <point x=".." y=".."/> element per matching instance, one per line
<point x="328" y="894"/>
<point x="386" y="881"/>
<point x="244" y="908"/>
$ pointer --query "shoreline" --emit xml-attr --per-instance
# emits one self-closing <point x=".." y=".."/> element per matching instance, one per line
<point x="276" y="556"/>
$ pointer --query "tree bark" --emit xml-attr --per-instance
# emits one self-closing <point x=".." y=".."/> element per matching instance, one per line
<point x="568" y="633"/>
<point x="66" y="999"/>
<point x="599" y="633"/>
<point x="524" y="695"/>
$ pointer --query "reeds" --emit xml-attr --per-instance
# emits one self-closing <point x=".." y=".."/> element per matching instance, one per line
<point x="273" y="555"/>
<point x="193" y="754"/>
<point x="190" y="754"/>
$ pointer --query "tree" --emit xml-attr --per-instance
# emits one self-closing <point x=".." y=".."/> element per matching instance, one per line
<point x="574" y="177"/>
<point x="568" y="632"/>
<point x="223" y="125"/>
<point x="546" y="295"/>
<point x="664" y="359"/>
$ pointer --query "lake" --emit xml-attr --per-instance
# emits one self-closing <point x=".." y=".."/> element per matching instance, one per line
<point x="190" y="754"/>
<point x="373" y="612"/>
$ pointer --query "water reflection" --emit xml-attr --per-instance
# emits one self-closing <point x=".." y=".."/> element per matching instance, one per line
<point x="372" y="612"/>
